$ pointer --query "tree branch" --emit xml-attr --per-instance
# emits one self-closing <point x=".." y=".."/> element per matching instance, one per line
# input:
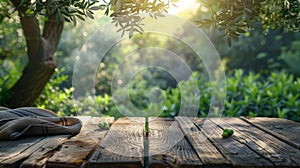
<point x="31" y="30"/>
<point x="52" y="31"/>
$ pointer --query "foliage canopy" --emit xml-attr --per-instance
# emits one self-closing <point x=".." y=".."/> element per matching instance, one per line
<point x="235" y="17"/>
<point x="232" y="17"/>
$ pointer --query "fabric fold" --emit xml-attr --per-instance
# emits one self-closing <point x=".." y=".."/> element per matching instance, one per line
<point x="31" y="121"/>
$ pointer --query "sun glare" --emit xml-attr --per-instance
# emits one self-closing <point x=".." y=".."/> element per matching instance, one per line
<point x="183" y="6"/>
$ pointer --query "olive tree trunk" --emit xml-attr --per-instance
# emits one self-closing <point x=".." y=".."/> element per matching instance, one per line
<point x="41" y="46"/>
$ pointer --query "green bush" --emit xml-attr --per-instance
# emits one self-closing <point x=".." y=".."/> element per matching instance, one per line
<point x="96" y="106"/>
<point x="60" y="100"/>
<point x="56" y="99"/>
<point x="276" y="96"/>
<point x="247" y="95"/>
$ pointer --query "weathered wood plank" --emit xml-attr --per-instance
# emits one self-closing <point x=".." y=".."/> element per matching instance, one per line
<point x="168" y="146"/>
<point x="266" y="145"/>
<point x="41" y="145"/>
<point x="75" y="151"/>
<point x="39" y="157"/>
<point x="238" y="153"/>
<point x="15" y="149"/>
<point x="12" y="148"/>
<point x="122" y="146"/>
<point x="207" y="152"/>
<point x="257" y="142"/>
<point x="283" y="129"/>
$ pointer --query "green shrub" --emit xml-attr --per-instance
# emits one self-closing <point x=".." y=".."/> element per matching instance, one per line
<point x="96" y="106"/>
<point x="56" y="99"/>
<point x="247" y="95"/>
<point x="60" y="100"/>
<point x="276" y="96"/>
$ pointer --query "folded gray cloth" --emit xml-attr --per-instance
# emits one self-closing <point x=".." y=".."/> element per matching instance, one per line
<point x="31" y="121"/>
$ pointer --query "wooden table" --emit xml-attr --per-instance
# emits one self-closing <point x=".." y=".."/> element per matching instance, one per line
<point x="179" y="142"/>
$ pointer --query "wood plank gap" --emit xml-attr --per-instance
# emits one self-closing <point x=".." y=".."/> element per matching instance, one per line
<point x="278" y="136"/>
<point x="280" y="153"/>
<point x="146" y="143"/>
<point x="168" y="147"/>
<point x="123" y="146"/>
<point x="238" y="154"/>
<point x="188" y="137"/>
<point x="207" y="152"/>
<point x="231" y="126"/>
<point x="76" y="151"/>
<point x="39" y="157"/>
<point x="146" y="152"/>
<point x="212" y="141"/>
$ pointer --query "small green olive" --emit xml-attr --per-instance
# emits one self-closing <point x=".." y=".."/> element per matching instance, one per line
<point x="103" y="125"/>
<point x="227" y="133"/>
<point x="230" y="132"/>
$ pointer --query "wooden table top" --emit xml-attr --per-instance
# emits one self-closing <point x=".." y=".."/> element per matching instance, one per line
<point x="179" y="142"/>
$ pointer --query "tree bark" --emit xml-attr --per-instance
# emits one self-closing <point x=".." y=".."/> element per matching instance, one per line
<point x="41" y="48"/>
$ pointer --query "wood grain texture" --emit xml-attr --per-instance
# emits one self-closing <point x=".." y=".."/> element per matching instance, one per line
<point x="238" y="153"/>
<point x="39" y="157"/>
<point x="75" y="151"/>
<point x="207" y="152"/>
<point x="266" y="145"/>
<point x="122" y="146"/>
<point x="283" y="129"/>
<point x="36" y="150"/>
<point x="183" y="142"/>
<point x="168" y="146"/>
<point x="15" y="150"/>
